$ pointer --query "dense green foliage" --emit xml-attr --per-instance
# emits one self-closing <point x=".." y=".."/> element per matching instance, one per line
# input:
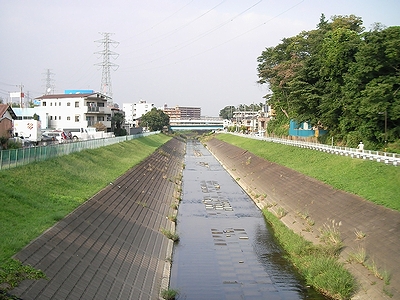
<point x="155" y="120"/>
<point x="339" y="78"/>
<point x="35" y="196"/>
<point x="371" y="180"/>
<point x="116" y="123"/>
<point x="315" y="263"/>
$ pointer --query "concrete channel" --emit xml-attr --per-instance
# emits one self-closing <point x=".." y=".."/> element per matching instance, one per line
<point x="111" y="247"/>
<point x="226" y="250"/>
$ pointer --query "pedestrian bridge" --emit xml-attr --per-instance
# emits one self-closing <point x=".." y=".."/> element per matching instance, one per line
<point x="197" y="124"/>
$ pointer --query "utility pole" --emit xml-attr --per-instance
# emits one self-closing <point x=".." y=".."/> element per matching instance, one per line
<point x="21" y="95"/>
<point x="106" y="64"/>
<point x="49" y="82"/>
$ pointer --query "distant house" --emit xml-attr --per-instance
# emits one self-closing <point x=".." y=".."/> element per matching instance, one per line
<point x="7" y="116"/>
<point x="304" y="129"/>
<point x="134" y="111"/>
<point x="75" y="110"/>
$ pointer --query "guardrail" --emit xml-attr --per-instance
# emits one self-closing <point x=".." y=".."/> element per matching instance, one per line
<point x="379" y="156"/>
<point x="18" y="157"/>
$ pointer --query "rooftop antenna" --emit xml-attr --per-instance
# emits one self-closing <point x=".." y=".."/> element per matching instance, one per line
<point x="106" y="64"/>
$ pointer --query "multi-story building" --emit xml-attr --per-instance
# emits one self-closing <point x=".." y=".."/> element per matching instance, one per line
<point x="75" y="110"/>
<point x="134" y="111"/>
<point x="182" y="112"/>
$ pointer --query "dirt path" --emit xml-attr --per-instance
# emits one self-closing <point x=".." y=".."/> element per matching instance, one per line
<point x="275" y="186"/>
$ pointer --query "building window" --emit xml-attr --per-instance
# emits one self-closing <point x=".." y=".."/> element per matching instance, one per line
<point x="68" y="103"/>
<point x="68" y="118"/>
<point x="55" y="117"/>
<point x="55" y="103"/>
<point x="51" y="118"/>
<point x="59" y="103"/>
<point x="77" y="118"/>
<point x="100" y="119"/>
<point x="77" y="104"/>
<point x="51" y="103"/>
<point x="59" y="117"/>
<point x="44" y="103"/>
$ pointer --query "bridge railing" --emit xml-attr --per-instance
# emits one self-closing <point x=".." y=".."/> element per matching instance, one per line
<point x="379" y="156"/>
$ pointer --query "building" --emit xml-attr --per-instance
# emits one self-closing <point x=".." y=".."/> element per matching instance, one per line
<point x="78" y="110"/>
<point x="134" y="111"/>
<point x="182" y="112"/>
<point x="7" y="116"/>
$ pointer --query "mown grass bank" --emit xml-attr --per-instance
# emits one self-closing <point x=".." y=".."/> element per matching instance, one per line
<point x="370" y="180"/>
<point x="34" y="197"/>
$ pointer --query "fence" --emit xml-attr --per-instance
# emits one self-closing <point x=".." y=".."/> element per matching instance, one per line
<point x="379" y="156"/>
<point x="19" y="157"/>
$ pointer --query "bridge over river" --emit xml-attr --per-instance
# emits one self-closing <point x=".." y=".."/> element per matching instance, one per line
<point x="197" y="124"/>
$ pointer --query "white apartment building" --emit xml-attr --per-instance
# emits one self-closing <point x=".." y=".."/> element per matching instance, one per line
<point x="62" y="111"/>
<point x="134" y="111"/>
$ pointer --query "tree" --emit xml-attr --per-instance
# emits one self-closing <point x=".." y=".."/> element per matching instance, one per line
<point x="100" y="126"/>
<point x="337" y="77"/>
<point x="116" y="122"/>
<point x="227" y="112"/>
<point x="155" y="120"/>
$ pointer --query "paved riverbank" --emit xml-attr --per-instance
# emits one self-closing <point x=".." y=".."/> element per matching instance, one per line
<point x="111" y="247"/>
<point x="279" y="187"/>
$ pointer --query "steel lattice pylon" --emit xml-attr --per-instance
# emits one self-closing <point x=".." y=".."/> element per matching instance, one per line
<point x="106" y="65"/>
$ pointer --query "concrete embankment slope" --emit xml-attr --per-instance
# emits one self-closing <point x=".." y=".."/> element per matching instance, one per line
<point x="111" y="247"/>
<point x="278" y="187"/>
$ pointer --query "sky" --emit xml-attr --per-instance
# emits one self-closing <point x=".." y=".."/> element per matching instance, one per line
<point x="200" y="53"/>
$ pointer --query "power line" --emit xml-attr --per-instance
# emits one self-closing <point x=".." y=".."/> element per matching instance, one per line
<point x="218" y="45"/>
<point x="159" y="39"/>
<point x="204" y="34"/>
<point x="162" y="21"/>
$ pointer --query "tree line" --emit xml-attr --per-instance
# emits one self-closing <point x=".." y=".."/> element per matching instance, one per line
<point x="338" y="77"/>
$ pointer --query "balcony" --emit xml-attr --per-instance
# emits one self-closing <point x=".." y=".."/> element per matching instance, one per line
<point x="95" y="109"/>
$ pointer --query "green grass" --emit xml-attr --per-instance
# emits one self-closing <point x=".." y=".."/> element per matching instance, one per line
<point x="370" y="180"/>
<point x="315" y="263"/>
<point x="34" y="197"/>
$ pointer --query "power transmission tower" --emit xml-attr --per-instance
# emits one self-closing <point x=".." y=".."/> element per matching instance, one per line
<point x="106" y="64"/>
<point x="49" y="83"/>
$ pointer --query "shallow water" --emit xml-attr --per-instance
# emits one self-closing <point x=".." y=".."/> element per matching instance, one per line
<point x="226" y="250"/>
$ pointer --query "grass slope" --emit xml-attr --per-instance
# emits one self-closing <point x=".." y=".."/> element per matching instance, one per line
<point x="35" y="196"/>
<point x="370" y="180"/>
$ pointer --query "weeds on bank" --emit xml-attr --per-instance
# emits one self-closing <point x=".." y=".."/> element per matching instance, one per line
<point x="359" y="234"/>
<point x="172" y="218"/>
<point x="281" y="212"/>
<point x="169" y="294"/>
<point x="13" y="272"/>
<point x="318" y="264"/>
<point x="169" y="234"/>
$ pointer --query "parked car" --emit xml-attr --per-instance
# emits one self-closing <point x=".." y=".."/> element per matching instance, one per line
<point x="47" y="139"/>
<point x="56" y="136"/>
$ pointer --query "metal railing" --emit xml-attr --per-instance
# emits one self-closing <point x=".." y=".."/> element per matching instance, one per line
<point x="379" y="156"/>
<point x="18" y="157"/>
